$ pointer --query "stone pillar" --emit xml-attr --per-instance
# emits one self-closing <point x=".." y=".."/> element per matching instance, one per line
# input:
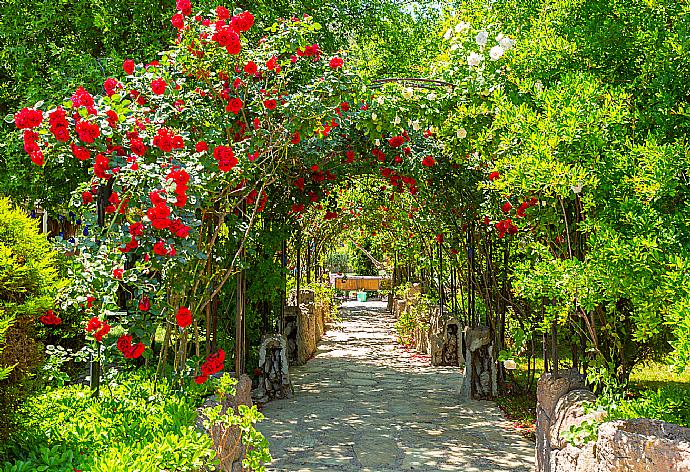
<point x="446" y="345"/>
<point x="274" y="381"/>
<point x="480" y="366"/>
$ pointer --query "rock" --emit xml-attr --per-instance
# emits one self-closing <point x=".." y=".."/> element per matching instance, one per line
<point x="550" y="390"/>
<point x="569" y="411"/>
<point x="643" y="445"/>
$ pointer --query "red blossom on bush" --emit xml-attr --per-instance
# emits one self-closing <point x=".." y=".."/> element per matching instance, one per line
<point x="183" y="317"/>
<point x="234" y="105"/>
<point x="396" y="141"/>
<point x="335" y="63"/>
<point x="144" y="303"/>
<point x="201" y="146"/>
<point x="97" y="328"/>
<point x="270" y="104"/>
<point x="128" y="66"/>
<point x="28" y="118"/>
<point x="177" y="21"/>
<point x="243" y="22"/>
<point x="50" y="318"/>
<point x="428" y="161"/>
<point x="158" y="86"/>
<point x="506" y="207"/>
<point x="225" y="157"/>
<point x="124" y="345"/>
<point x="184" y="6"/>
<point x="88" y="132"/>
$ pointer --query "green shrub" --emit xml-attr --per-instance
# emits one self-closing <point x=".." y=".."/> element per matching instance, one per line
<point x="28" y="282"/>
<point x="129" y="427"/>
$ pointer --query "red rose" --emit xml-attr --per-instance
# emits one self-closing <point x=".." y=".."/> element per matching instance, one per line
<point x="86" y="198"/>
<point x="234" y="105"/>
<point x="183" y="317"/>
<point x="101" y="166"/>
<point x="222" y="12"/>
<point x="335" y="63"/>
<point x="144" y="303"/>
<point x="88" y="132"/>
<point x="493" y="176"/>
<point x="110" y="85"/>
<point x="82" y="98"/>
<point x="37" y="158"/>
<point x="50" y="318"/>
<point x="428" y="161"/>
<point x="137" y="146"/>
<point x="158" y="86"/>
<point x="201" y="146"/>
<point x="118" y="273"/>
<point x="128" y="66"/>
<point x="177" y="21"/>
<point x="270" y="104"/>
<point x="396" y="141"/>
<point x="136" y="229"/>
<point x="184" y="6"/>
<point x="159" y="216"/>
<point x="159" y="248"/>
<point x="179" y="229"/>
<point x="28" y="118"/>
<point x="243" y="22"/>
<point x="200" y="379"/>
<point x="506" y="207"/>
<point x="295" y="138"/>
<point x="250" y="68"/>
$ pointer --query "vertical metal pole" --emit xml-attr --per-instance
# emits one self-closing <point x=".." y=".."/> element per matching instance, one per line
<point x="441" y="296"/>
<point x="309" y="262"/>
<point x="299" y="266"/>
<point x="283" y="263"/>
<point x="240" y="314"/>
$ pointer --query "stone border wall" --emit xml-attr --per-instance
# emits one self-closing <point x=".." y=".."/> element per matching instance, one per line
<point x="226" y="441"/>
<point x="439" y="336"/>
<point x="312" y="316"/>
<point x="639" y="445"/>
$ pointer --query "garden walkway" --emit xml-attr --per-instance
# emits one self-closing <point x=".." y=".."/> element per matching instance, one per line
<point x="366" y="404"/>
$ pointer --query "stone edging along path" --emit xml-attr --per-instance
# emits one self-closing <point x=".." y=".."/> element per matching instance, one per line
<point x="363" y="403"/>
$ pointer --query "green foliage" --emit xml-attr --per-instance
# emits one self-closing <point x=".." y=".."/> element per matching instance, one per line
<point x="28" y="285"/>
<point x="129" y="428"/>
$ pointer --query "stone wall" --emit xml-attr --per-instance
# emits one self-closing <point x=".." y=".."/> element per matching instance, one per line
<point x="305" y="324"/>
<point x="639" y="445"/>
<point x="226" y="441"/>
<point x="480" y="367"/>
<point x="439" y="336"/>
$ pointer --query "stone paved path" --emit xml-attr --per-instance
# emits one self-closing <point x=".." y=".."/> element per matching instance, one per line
<point x="365" y="404"/>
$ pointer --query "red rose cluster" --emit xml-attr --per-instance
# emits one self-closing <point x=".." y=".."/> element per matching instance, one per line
<point x="506" y="226"/>
<point x="97" y="328"/>
<point x="225" y="157"/>
<point x="214" y="363"/>
<point x="28" y="118"/>
<point x="166" y="140"/>
<point x="124" y="345"/>
<point x="50" y="318"/>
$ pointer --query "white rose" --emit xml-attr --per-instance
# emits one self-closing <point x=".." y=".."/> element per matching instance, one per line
<point x="506" y="43"/>
<point x="499" y="36"/>
<point x="407" y="93"/>
<point x="377" y="142"/>
<point x="431" y="96"/>
<point x="462" y="26"/>
<point x="496" y="52"/>
<point x="474" y="59"/>
<point x="576" y="188"/>
<point x="510" y="364"/>
<point x="448" y="35"/>
<point x="462" y="133"/>
<point x="415" y="125"/>
<point x="454" y="47"/>
<point x="481" y="38"/>
<point x="380" y="99"/>
<point x="396" y="120"/>
<point x="374" y="116"/>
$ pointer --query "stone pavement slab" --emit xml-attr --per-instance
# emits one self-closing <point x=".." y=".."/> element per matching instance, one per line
<point x="366" y="404"/>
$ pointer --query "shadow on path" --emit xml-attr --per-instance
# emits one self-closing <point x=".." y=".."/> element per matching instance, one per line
<point x="363" y="403"/>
